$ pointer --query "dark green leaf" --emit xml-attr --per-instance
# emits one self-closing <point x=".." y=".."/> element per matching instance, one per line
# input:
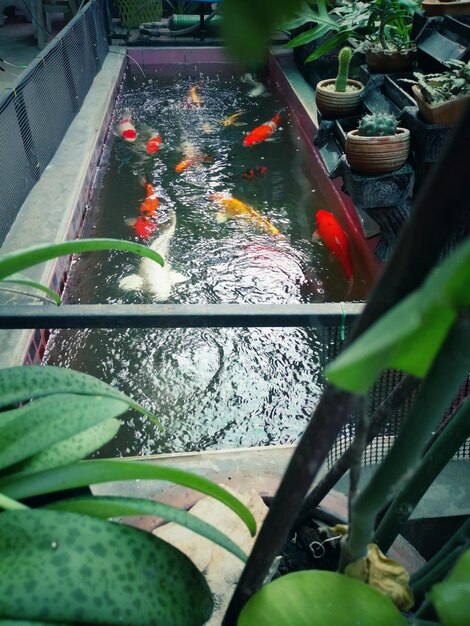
<point x="319" y="598"/>
<point x="106" y="507"/>
<point x="451" y="598"/>
<point x="102" y="471"/>
<point x="19" y="261"/>
<point x="21" y="384"/>
<point x="329" y="45"/>
<point x="62" y="567"/>
<point x="37" y="425"/>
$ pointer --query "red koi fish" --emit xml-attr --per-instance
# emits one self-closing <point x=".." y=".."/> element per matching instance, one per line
<point x="335" y="239"/>
<point x="262" y="132"/>
<point x="144" y="226"/>
<point x="154" y="144"/>
<point x="126" y="129"/>
<point x="151" y="203"/>
<point x="254" y="171"/>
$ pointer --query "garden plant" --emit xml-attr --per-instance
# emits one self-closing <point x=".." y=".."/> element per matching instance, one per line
<point x="341" y="96"/>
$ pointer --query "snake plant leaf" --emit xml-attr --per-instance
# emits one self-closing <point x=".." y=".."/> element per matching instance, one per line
<point x="73" y="449"/>
<point x="19" y="486"/>
<point x="316" y="598"/>
<point x="247" y="25"/>
<point x="409" y="336"/>
<point x="106" y="507"/>
<point x="451" y="598"/>
<point x="21" y="384"/>
<point x="35" y="426"/>
<point x="62" y="567"/>
<point x="18" y="261"/>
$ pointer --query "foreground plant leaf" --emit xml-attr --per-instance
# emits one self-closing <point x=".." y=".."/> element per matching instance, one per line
<point x="319" y="598"/>
<point x="63" y="567"/>
<point x="384" y="574"/>
<point x="21" y="384"/>
<point x="105" y="507"/>
<point x="410" y="335"/>
<point x="27" y="282"/>
<point x="451" y="598"/>
<point x="19" y="486"/>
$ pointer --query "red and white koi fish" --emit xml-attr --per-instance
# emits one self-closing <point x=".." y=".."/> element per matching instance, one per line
<point x="154" y="144"/>
<point x="254" y="171"/>
<point x="335" y="239"/>
<point x="194" y="98"/>
<point x="232" y="208"/>
<point x="262" y="132"/>
<point x="144" y="226"/>
<point x="126" y="129"/>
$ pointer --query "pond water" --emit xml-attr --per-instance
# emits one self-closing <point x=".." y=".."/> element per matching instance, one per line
<point x="211" y="388"/>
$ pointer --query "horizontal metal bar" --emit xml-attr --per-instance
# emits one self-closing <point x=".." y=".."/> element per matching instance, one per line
<point x="177" y="315"/>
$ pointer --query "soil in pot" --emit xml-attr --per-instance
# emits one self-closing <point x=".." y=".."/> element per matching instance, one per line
<point x="334" y="104"/>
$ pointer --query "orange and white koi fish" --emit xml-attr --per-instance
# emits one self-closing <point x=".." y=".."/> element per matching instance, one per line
<point x="233" y="208"/>
<point x="194" y="98"/>
<point x="262" y="132"/>
<point x="335" y="239"/>
<point x="126" y="129"/>
<point x="195" y="159"/>
<point x="151" y="203"/>
<point x="231" y="120"/>
<point x="154" y="144"/>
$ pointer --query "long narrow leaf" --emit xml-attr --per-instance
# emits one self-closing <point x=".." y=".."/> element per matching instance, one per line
<point x="312" y="35"/>
<point x="19" y="261"/>
<point x="27" y="282"/>
<point x="329" y="45"/>
<point x="9" y="504"/>
<point x="103" y="471"/>
<point x="21" y="384"/>
<point x="106" y="507"/>
<point x="63" y="567"/>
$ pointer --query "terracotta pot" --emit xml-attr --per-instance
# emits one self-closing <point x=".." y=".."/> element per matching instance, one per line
<point x="336" y="104"/>
<point x="445" y="113"/>
<point x="377" y="155"/>
<point x="444" y="7"/>
<point x="383" y="61"/>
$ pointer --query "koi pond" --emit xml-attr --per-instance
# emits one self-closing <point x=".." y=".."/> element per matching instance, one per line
<point x="211" y="388"/>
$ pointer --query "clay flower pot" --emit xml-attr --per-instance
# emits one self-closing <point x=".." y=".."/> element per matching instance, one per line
<point x="336" y="104"/>
<point x="444" y="113"/>
<point x="377" y="155"/>
<point x="383" y="61"/>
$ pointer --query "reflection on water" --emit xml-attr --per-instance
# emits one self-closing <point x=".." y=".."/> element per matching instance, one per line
<point x="210" y="387"/>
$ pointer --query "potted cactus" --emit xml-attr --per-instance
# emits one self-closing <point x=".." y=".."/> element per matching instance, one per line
<point x="340" y="96"/>
<point x="441" y="98"/>
<point x="378" y="146"/>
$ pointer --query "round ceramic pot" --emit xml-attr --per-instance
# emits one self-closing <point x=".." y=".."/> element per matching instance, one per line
<point x="444" y="113"/>
<point x="377" y="155"/>
<point x="334" y="104"/>
<point x="383" y="61"/>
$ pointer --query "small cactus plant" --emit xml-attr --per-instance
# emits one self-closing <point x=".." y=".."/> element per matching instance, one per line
<point x="344" y="58"/>
<point x="377" y="125"/>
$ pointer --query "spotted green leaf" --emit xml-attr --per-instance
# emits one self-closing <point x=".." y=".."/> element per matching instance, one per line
<point x="106" y="507"/>
<point x="62" y="567"/>
<point x="317" y="598"/>
<point x="409" y="336"/>
<point x="21" y="384"/>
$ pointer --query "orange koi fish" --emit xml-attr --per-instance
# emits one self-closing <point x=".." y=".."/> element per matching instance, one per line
<point x="254" y="171"/>
<point x="151" y="203"/>
<point x="144" y="226"/>
<point x="232" y="208"/>
<point x="194" y="159"/>
<point x="126" y="129"/>
<point x="194" y="98"/>
<point x="154" y="144"/>
<point x="335" y="239"/>
<point x="262" y="132"/>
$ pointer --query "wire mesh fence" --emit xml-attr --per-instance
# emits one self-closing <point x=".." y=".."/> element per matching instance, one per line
<point x="35" y="114"/>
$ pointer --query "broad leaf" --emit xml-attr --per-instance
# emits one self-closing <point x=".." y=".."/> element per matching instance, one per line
<point x="21" y="384"/>
<point x="318" y="598"/>
<point x="106" y="507"/>
<point x="409" y="336"/>
<point x="19" y="261"/>
<point x="102" y="471"/>
<point x="451" y="598"/>
<point x="62" y="567"/>
<point x="36" y="426"/>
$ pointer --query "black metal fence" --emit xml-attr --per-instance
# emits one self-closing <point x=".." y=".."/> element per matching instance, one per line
<point x="36" y="113"/>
